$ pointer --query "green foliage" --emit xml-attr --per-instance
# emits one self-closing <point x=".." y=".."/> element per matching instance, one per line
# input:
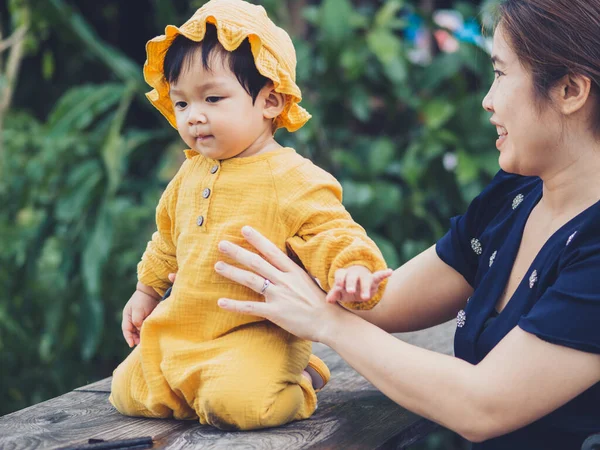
<point x="79" y="186"/>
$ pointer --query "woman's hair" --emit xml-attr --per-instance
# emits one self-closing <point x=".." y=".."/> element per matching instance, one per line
<point x="240" y="61"/>
<point x="553" y="38"/>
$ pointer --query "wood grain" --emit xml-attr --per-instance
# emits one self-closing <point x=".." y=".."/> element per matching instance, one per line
<point x="74" y="418"/>
<point x="352" y="414"/>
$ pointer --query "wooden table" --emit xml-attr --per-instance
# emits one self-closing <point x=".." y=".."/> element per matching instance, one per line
<point x="352" y="414"/>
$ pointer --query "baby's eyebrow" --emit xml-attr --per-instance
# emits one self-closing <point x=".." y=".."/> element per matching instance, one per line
<point x="201" y="87"/>
<point x="211" y="85"/>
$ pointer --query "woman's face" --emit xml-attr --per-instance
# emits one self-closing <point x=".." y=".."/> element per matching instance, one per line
<point x="527" y="137"/>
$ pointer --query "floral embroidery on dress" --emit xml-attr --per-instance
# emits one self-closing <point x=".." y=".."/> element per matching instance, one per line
<point x="533" y="278"/>
<point x="493" y="257"/>
<point x="476" y="246"/>
<point x="461" y="318"/>
<point x="571" y="238"/>
<point x="517" y="201"/>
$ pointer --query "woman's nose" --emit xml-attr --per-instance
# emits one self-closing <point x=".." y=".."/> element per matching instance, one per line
<point x="487" y="102"/>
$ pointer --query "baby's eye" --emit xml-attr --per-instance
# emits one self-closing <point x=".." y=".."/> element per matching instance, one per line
<point x="180" y="105"/>
<point x="213" y="99"/>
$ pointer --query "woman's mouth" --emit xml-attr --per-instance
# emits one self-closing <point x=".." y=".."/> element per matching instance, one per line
<point x="502" y="134"/>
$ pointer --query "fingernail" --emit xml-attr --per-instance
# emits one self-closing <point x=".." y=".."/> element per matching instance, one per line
<point x="222" y="302"/>
<point x="247" y="231"/>
<point x="219" y="266"/>
<point x="224" y="246"/>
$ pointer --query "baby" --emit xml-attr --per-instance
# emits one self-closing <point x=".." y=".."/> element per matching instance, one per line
<point x="226" y="81"/>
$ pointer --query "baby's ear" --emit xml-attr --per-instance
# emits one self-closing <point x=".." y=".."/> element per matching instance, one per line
<point x="274" y="102"/>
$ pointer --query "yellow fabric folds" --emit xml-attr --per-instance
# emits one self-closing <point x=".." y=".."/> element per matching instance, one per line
<point x="235" y="21"/>
<point x="230" y="370"/>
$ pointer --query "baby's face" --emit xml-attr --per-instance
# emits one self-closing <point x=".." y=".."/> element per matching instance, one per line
<point x="215" y="115"/>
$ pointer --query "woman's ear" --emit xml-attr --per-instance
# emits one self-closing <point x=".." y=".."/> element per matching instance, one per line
<point x="572" y="93"/>
<point x="274" y="102"/>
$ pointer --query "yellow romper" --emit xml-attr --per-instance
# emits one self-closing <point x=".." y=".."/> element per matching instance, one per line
<point x="230" y="370"/>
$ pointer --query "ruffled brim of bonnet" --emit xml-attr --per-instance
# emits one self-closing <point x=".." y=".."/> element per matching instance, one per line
<point x="235" y="20"/>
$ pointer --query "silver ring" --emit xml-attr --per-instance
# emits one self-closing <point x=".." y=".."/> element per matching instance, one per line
<point x="265" y="285"/>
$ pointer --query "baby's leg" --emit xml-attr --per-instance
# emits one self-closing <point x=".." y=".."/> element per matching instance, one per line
<point x="131" y="395"/>
<point x="257" y="381"/>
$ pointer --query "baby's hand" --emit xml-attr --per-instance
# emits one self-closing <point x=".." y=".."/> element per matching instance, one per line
<point x="356" y="284"/>
<point x="139" y="306"/>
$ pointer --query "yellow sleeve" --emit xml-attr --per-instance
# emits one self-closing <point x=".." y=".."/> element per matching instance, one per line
<point x="160" y="258"/>
<point x="324" y="236"/>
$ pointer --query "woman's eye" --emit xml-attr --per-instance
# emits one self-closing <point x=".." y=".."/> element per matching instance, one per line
<point x="180" y="105"/>
<point x="213" y="99"/>
<point x="498" y="73"/>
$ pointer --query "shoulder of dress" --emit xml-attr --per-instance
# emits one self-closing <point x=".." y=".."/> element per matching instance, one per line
<point x="507" y="189"/>
<point x="303" y="169"/>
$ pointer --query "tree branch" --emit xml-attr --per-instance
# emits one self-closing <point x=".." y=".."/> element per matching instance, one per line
<point x="16" y="43"/>
<point x="19" y="34"/>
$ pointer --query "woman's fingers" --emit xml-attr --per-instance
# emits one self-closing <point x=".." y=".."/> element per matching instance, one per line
<point x="251" y="260"/>
<point x="269" y="250"/>
<point x="241" y="276"/>
<point x="259" y="309"/>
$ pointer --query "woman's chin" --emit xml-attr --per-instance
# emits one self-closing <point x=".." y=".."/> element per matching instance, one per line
<point x="507" y="164"/>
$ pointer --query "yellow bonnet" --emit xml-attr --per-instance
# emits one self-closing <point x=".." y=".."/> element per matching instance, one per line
<point x="235" y="20"/>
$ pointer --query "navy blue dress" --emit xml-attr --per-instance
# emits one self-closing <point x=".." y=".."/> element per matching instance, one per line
<point x="558" y="300"/>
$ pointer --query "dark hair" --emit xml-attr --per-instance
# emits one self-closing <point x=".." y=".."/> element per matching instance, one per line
<point x="554" y="38"/>
<point x="240" y="61"/>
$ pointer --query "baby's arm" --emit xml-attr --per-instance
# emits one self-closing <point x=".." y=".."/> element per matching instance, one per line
<point x="158" y="261"/>
<point x="159" y="258"/>
<point x="326" y="239"/>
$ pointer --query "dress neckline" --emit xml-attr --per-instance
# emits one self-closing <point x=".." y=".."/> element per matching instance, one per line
<point x="516" y="236"/>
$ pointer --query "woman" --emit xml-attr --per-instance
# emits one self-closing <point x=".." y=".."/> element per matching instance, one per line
<point x="520" y="267"/>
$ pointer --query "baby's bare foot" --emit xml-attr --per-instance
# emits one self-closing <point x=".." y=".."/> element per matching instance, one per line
<point x="314" y="378"/>
<point x="306" y="375"/>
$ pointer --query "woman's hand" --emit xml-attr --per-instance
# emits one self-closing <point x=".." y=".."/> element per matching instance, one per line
<point x="292" y="299"/>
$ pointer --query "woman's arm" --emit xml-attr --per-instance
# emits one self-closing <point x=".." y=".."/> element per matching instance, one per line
<point x="420" y="294"/>
<point x="521" y="380"/>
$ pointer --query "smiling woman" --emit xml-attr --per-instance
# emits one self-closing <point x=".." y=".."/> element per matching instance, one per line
<point x="545" y="72"/>
<point x="518" y="269"/>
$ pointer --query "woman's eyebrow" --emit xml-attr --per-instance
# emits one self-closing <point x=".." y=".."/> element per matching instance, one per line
<point x="496" y="60"/>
